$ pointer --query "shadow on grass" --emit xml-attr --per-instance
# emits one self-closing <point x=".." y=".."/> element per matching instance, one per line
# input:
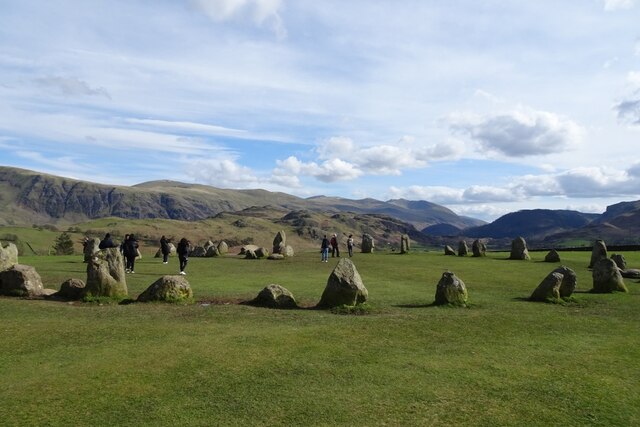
<point x="433" y="304"/>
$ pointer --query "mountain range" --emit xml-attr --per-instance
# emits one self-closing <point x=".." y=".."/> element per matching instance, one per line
<point x="29" y="197"/>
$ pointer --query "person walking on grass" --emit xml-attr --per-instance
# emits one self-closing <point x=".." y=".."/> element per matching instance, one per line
<point x="184" y="246"/>
<point x="130" y="251"/>
<point x="164" y="248"/>
<point x="324" y="249"/>
<point x="335" y="249"/>
<point x="350" y="245"/>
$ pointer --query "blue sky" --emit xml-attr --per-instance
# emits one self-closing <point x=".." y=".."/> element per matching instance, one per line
<point x="484" y="107"/>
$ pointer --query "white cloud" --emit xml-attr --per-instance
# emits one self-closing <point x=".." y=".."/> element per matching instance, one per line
<point x="629" y="110"/>
<point x="221" y="172"/>
<point x="435" y="194"/>
<point x="331" y="170"/>
<point x="611" y="5"/>
<point x="483" y="193"/>
<point x="633" y="77"/>
<point x="188" y="127"/>
<point x="520" y="133"/>
<point x="575" y="183"/>
<point x="262" y="12"/>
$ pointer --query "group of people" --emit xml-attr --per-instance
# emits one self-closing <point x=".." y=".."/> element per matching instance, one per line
<point x="183" y="249"/>
<point x="129" y="248"/>
<point x="334" y="245"/>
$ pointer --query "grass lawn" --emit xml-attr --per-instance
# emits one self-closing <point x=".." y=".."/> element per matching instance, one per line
<point x="503" y="361"/>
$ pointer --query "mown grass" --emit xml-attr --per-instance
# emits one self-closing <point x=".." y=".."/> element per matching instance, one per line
<point x="503" y="361"/>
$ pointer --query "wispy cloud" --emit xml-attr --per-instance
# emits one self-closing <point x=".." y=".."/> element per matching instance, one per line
<point x="611" y="5"/>
<point x="71" y="86"/>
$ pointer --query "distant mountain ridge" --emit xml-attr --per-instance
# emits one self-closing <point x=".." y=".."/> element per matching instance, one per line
<point x="30" y="197"/>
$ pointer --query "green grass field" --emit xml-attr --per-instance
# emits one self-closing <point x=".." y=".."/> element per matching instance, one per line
<point x="503" y="361"/>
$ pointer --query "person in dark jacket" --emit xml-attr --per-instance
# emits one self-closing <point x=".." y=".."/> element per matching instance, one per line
<point x="130" y="250"/>
<point x="324" y="249"/>
<point x="126" y="237"/>
<point x="335" y="249"/>
<point x="107" y="242"/>
<point x="164" y="248"/>
<point x="183" y="249"/>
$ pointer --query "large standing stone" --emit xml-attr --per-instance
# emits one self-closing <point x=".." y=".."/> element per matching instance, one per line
<point x="280" y="242"/>
<point x="620" y="261"/>
<point x="198" y="252"/>
<point x="519" y="249"/>
<point x="552" y="256"/>
<point x="405" y="244"/>
<point x="71" y="289"/>
<point x="607" y="278"/>
<point x="245" y="248"/>
<point x="630" y="273"/>
<point x="105" y="275"/>
<point x="90" y="247"/>
<point x="250" y="254"/>
<point x="21" y="281"/>
<point x="560" y="283"/>
<point x="478" y="248"/>
<point x="598" y="252"/>
<point x="368" y="243"/>
<point x="8" y="255"/>
<point x="167" y="289"/>
<point x="275" y="296"/>
<point x="463" y="249"/>
<point x="344" y="286"/>
<point x="448" y="250"/>
<point x="223" y="248"/>
<point x="451" y="290"/>
<point x="212" y="251"/>
<point x="262" y="252"/>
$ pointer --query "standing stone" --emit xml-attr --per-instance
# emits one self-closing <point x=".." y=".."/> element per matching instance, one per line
<point x="279" y="242"/>
<point x="167" y="289"/>
<point x="91" y="246"/>
<point x="223" y="248"/>
<point x="105" y="275"/>
<point x="560" y="283"/>
<point x="607" y="278"/>
<point x="208" y="244"/>
<point x="448" y="250"/>
<point x="288" y="251"/>
<point x="630" y="273"/>
<point x="250" y="253"/>
<point x="368" y="244"/>
<point x="463" y="249"/>
<point x="262" y="252"/>
<point x="478" y="248"/>
<point x="212" y="251"/>
<point x="405" y="244"/>
<point x="552" y="256"/>
<point x="519" y="249"/>
<point x="21" y="281"/>
<point x="620" y="261"/>
<point x="8" y="256"/>
<point x="598" y="252"/>
<point x="275" y="296"/>
<point x="198" y="252"/>
<point x="344" y="286"/>
<point x="71" y="289"/>
<point x="451" y="290"/>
